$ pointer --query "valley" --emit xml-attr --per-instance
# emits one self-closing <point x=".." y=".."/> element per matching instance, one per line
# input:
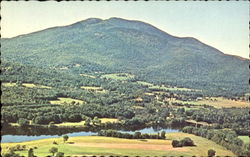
<point x="99" y="75"/>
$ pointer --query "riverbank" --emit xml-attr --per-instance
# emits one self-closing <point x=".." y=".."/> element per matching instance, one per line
<point x="97" y="145"/>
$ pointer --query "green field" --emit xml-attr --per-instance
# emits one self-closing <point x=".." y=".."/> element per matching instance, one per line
<point x="64" y="100"/>
<point x="217" y="102"/>
<point x="96" y="145"/>
<point x="29" y="85"/>
<point x="7" y="84"/>
<point x="32" y="85"/>
<point x="245" y="139"/>
<point x="118" y="76"/>
<point x="152" y="86"/>
<point x="103" y="120"/>
<point x="87" y="75"/>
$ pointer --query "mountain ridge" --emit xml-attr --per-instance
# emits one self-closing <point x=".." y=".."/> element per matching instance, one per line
<point x="119" y="45"/>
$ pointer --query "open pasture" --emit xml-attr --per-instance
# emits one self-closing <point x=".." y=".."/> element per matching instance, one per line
<point x="162" y="87"/>
<point x="96" y="145"/>
<point x="218" y="102"/>
<point x="118" y="76"/>
<point x="8" y="84"/>
<point x="80" y="124"/>
<point x="32" y="85"/>
<point x="64" y="100"/>
<point x="87" y="75"/>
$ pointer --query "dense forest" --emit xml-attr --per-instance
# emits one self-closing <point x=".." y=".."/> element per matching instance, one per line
<point x="117" y="45"/>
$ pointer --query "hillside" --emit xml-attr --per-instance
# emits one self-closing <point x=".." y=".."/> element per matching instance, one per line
<point x="119" y="45"/>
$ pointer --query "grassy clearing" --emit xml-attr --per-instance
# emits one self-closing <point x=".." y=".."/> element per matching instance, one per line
<point x="218" y="102"/>
<point x="71" y="124"/>
<point x="7" y="84"/>
<point x="111" y="120"/>
<point x="144" y="83"/>
<point x="77" y="124"/>
<point x="162" y="87"/>
<point x="245" y="139"/>
<point x="96" y="145"/>
<point x="86" y="75"/>
<point x="118" y="76"/>
<point x="171" y="88"/>
<point x="64" y="100"/>
<point x="32" y="85"/>
<point x="29" y="85"/>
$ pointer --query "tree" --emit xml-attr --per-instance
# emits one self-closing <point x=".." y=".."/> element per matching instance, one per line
<point x="65" y="138"/>
<point x="176" y="143"/>
<point x="137" y="135"/>
<point x="59" y="154"/>
<point x="187" y="142"/>
<point x="87" y="122"/>
<point x="211" y="152"/>
<point x="31" y="153"/>
<point x="163" y="134"/>
<point x="53" y="150"/>
<point x="23" y="122"/>
<point x="96" y="121"/>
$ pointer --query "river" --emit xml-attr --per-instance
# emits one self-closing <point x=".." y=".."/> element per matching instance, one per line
<point x="23" y="138"/>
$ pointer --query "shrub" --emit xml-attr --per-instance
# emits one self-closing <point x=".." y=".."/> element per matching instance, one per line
<point x="211" y="152"/>
<point x="176" y="143"/>
<point x="187" y="142"/>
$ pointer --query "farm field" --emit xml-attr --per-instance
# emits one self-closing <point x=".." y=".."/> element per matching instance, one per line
<point x="152" y="86"/>
<point x="97" y="145"/>
<point x="64" y="100"/>
<point x="118" y="76"/>
<point x="103" y="120"/>
<point x="32" y="85"/>
<point x="29" y="85"/>
<point x="87" y="75"/>
<point x="218" y="102"/>
<point x="8" y="84"/>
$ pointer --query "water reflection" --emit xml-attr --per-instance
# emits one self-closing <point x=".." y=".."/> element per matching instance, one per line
<point x="29" y="134"/>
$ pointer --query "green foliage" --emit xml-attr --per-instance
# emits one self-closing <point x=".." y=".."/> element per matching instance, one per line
<point x="211" y="152"/>
<point x="163" y="134"/>
<point x="184" y="142"/>
<point x="227" y="138"/>
<point x="53" y="150"/>
<point x="23" y="122"/>
<point x="59" y="154"/>
<point x="31" y="153"/>
<point x="65" y="138"/>
<point x="116" y="46"/>
<point x="136" y="135"/>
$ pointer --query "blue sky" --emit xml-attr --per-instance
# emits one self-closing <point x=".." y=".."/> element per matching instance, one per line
<point x="223" y="25"/>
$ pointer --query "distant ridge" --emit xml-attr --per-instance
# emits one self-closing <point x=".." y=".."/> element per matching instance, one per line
<point x="120" y="45"/>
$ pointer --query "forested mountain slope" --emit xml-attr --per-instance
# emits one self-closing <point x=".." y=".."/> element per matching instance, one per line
<point x="119" y="45"/>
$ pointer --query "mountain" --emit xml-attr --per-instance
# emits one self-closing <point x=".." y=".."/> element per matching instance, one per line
<point x="119" y="45"/>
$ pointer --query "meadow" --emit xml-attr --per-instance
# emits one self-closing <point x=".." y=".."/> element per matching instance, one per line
<point x="77" y="124"/>
<point x="64" y="100"/>
<point x="118" y="76"/>
<point x="29" y="85"/>
<point x="97" y="145"/>
<point x="217" y="102"/>
<point x="162" y="87"/>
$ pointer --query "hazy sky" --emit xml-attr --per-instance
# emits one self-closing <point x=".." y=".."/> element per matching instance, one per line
<point x="223" y="25"/>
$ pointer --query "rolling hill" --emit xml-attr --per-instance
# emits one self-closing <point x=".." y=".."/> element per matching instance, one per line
<point x="119" y="45"/>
